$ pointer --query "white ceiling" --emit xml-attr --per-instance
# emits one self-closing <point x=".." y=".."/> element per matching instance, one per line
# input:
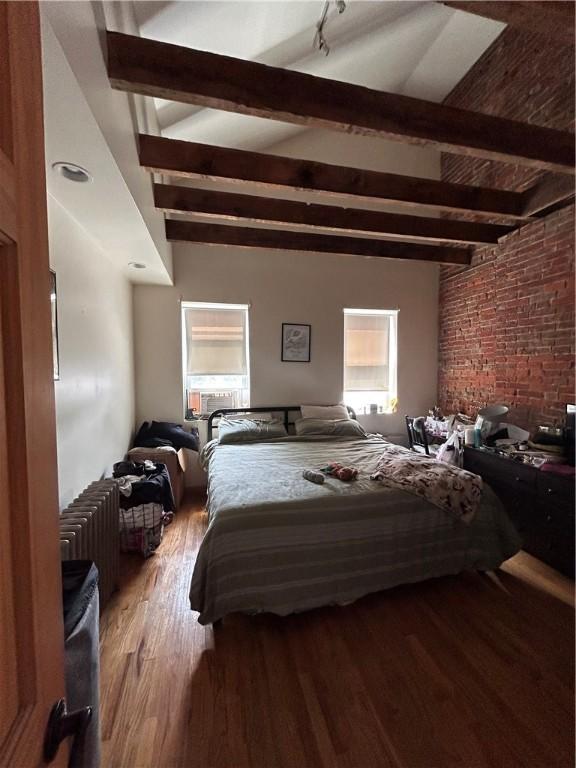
<point x="105" y="207"/>
<point x="420" y="49"/>
<point x="417" y="48"/>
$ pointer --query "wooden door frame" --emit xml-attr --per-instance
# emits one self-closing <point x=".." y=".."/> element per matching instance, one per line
<point x="26" y="345"/>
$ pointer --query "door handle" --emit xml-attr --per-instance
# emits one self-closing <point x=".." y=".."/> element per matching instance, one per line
<point x="62" y="724"/>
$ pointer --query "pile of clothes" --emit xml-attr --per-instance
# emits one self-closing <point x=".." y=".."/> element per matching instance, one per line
<point x="146" y="504"/>
<point x="146" y="495"/>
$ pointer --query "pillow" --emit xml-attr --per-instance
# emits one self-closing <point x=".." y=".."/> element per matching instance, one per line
<point x="334" y="427"/>
<point x="250" y="416"/>
<point x="247" y="430"/>
<point x="171" y="434"/>
<point x="142" y="433"/>
<point x="324" y="412"/>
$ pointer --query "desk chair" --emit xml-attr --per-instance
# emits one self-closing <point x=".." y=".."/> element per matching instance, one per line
<point x="417" y="437"/>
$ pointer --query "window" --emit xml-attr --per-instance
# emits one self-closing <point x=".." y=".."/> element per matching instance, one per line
<point x="370" y="352"/>
<point x="215" y="357"/>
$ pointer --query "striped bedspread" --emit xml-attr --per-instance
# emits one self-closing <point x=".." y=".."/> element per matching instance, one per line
<point x="277" y="542"/>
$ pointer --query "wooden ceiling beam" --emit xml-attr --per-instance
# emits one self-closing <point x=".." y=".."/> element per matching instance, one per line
<point x="265" y="210"/>
<point x="555" y="19"/>
<point x="547" y="194"/>
<point x="176" y="73"/>
<point x="203" y="161"/>
<point x="273" y="239"/>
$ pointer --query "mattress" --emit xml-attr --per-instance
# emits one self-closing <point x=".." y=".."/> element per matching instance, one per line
<point x="278" y="543"/>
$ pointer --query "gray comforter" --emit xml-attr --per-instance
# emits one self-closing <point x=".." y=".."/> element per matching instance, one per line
<point x="277" y="542"/>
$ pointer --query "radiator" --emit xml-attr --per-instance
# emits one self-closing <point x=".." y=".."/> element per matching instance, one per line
<point x="89" y="530"/>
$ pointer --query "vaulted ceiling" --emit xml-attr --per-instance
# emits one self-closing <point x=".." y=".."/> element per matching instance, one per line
<point x="262" y="141"/>
<point x="395" y="62"/>
<point x="420" y="49"/>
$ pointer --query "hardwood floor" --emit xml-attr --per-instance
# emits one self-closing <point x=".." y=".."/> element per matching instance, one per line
<point x="472" y="671"/>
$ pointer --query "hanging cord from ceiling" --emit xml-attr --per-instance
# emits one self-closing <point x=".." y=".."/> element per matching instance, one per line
<point x="320" y="42"/>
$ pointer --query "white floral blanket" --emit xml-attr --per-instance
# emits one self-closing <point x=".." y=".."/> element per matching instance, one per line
<point x="450" y="488"/>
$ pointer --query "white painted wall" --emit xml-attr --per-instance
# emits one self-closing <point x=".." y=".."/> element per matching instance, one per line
<point x="95" y="393"/>
<point x="288" y="287"/>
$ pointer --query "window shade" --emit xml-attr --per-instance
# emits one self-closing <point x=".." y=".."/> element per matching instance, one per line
<point x="215" y="341"/>
<point x="366" y="352"/>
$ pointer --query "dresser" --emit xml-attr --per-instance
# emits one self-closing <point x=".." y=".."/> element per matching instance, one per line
<point x="540" y="504"/>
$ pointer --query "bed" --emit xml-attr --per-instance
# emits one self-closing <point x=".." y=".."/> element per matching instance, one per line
<point x="278" y="543"/>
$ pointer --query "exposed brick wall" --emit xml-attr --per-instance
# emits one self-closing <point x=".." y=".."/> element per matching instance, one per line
<point x="507" y="322"/>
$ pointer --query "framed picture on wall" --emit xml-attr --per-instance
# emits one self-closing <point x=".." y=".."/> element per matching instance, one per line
<point x="295" y="343"/>
<point x="54" y="310"/>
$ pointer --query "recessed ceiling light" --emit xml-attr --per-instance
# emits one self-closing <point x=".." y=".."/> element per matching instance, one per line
<point x="136" y="265"/>
<point x="72" y="172"/>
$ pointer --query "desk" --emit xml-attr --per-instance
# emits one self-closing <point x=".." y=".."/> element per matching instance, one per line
<point x="540" y="504"/>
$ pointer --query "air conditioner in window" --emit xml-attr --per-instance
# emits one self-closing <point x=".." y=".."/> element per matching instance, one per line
<point x="213" y="401"/>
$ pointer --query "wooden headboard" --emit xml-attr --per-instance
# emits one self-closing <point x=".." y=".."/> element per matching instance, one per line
<point x="285" y="409"/>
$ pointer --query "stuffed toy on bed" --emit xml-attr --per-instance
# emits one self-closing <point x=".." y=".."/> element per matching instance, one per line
<point x="340" y="472"/>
